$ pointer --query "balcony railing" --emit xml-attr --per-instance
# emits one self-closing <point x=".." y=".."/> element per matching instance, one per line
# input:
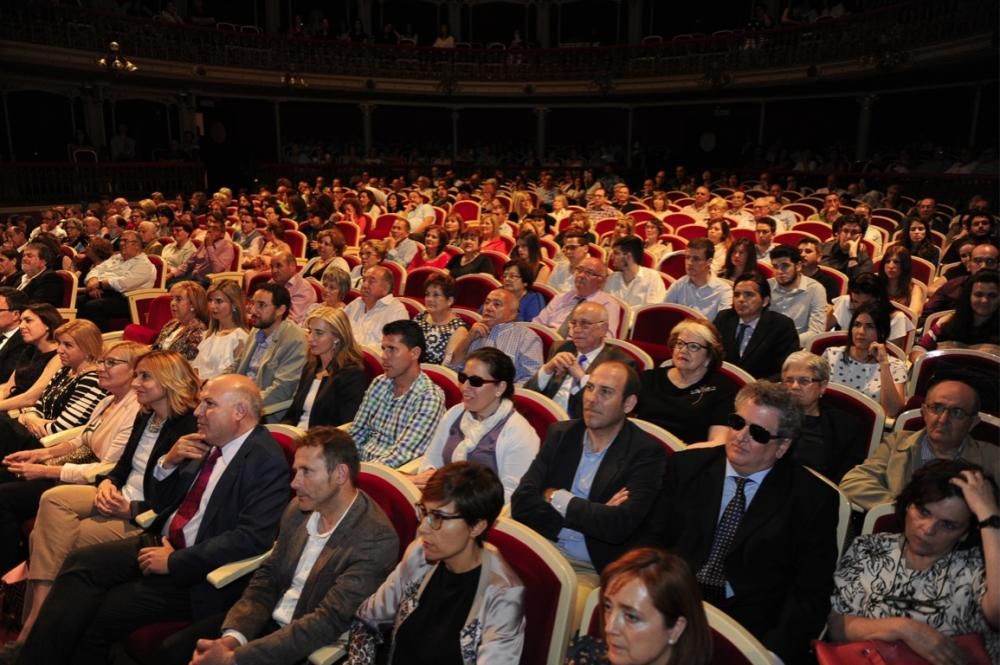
<point x="879" y="38"/>
<point x="45" y="182"/>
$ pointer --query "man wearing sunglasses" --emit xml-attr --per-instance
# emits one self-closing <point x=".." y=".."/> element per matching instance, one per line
<point x="758" y="529"/>
<point x="950" y="411"/>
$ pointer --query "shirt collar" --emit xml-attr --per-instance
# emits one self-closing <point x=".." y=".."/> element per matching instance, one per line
<point x="757" y="477"/>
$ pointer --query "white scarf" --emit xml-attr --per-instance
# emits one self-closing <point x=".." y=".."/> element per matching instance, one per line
<point x="474" y="430"/>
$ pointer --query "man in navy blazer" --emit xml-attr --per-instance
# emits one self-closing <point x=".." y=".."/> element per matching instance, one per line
<point x="753" y="337"/>
<point x="592" y="485"/>
<point x="777" y="571"/>
<point x="40" y="282"/>
<point x="218" y="493"/>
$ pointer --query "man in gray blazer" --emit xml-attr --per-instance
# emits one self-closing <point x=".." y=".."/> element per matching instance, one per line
<point x="335" y="547"/>
<point x="276" y="353"/>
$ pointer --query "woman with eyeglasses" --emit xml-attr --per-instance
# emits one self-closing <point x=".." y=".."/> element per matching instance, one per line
<point x="689" y="398"/>
<point x="975" y="323"/>
<point x="517" y="278"/>
<point x="72" y="516"/>
<point x="443" y="329"/>
<point x="177" y="253"/>
<point x="937" y="579"/>
<point x="333" y="381"/>
<point x="831" y="441"/>
<point x="484" y="428"/>
<point x="651" y="614"/>
<point x="865" y="364"/>
<point x="29" y="473"/>
<point x="452" y="600"/>
<point x="372" y="253"/>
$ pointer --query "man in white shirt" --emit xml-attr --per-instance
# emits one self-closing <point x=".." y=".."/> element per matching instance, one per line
<point x="701" y="289"/>
<point x="784" y="218"/>
<point x="631" y="282"/>
<point x="335" y="546"/>
<point x="375" y="308"/>
<point x="108" y="282"/>
<point x="744" y="218"/>
<point x="398" y="245"/>
<point x="800" y="298"/>
<point x="50" y="224"/>
<point x="699" y="209"/>
<point x="420" y="215"/>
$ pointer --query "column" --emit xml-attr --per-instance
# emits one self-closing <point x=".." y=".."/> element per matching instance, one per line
<point x="454" y="135"/>
<point x="634" y="22"/>
<point x="628" y="138"/>
<point x="277" y="131"/>
<point x="6" y="122"/>
<point x="366" y="127"/>
<point x="864" y="126"/>
<point x="540" y="113"/>
<point x="543" y="23"/>
<point x="455" y="21"/>
<point x="93" y="114"/>
<point x="760" y="124"/>
<point x="366" y="12"/>
<point x="977" y="100"/>
<point x="272" y="16"/>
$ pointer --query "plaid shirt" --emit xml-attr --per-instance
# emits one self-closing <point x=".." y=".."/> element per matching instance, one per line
<point x="393" y="430"/>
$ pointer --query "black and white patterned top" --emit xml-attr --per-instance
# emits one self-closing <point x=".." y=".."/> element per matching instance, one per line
<point x="863" y="377"/>
<point x="68" y="399"/>
<point x="874" y="582"/>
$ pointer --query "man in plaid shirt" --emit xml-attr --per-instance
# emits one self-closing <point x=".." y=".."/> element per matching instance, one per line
<point x="402" y="407"/>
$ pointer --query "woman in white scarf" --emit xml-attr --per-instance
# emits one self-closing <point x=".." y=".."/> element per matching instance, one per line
<point x="484" y="428"/>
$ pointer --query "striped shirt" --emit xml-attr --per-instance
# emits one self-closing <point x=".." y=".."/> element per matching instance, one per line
<point x="68" y="400"/>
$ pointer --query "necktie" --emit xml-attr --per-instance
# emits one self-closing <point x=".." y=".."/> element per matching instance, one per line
<point x="741" y="331"/>
<point x="712" y="574"/>
<point x="189" y="506"/>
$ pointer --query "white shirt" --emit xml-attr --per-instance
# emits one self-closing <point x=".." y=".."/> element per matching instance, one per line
<point x="228" y="452"/>
<point x="646" y="288"/>
<point x="125" y="275"/>
<point x="367" y="326"/>
<point x="561" y="277"/>
<point x="307" y="405"/>
<point x="569" y="386"/>
<point x="132" y="490"/>
<point x="715" y="296"/>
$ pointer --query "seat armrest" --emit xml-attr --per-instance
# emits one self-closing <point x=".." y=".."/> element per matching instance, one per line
<point x="93" y="472"/>
<point x="52" y="439"/>
<point x="411" y="467"/>
<point x="231" y="572"/>
<point x="274" y="408"/>
<point x="145" y="519"/>
<point x="332" y="653"/>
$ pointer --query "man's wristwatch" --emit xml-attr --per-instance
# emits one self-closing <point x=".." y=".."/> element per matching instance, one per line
<point x="991" y="522"/>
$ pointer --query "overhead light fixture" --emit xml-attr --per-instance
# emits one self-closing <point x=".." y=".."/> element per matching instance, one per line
<point x="115" y="62"/>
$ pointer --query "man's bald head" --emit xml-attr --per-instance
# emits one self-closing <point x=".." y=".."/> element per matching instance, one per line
<point x="230" y="406"/>
<point x="500" y="306"/>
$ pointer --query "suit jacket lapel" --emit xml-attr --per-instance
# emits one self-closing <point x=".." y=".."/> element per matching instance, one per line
<point x="224" y="487"/>
<point x="766" y="503"/>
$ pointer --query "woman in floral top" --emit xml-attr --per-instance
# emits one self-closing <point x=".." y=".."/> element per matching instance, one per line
<point x="934" y="580"/>
<point x="184" y="332"/>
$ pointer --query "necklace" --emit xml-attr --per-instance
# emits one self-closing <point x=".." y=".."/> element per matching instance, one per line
<point x="155" y="424"/>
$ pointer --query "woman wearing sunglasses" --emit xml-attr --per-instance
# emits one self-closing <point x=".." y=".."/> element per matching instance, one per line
<point x="689" y="398"/>
<point x="484" y="428"/>
<point x="452" y="600"/>
<point x="936" y="579"/>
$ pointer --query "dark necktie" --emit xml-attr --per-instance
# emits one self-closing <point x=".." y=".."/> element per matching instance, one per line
<point x="189" y="506"/>
<point x="712" y="574"/>
<point x="741" y="331"/>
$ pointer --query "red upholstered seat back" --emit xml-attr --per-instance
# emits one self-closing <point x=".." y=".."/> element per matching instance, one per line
<point x="725" y="652"/>
<point x="153" y="315"/>
<point x="415" y="280"/>
<point x="541" y="594"/>
<point x="143" y="644"/>
<point x="394" y="504"/>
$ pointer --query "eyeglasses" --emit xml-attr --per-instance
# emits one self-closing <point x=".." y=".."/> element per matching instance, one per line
<point x="110" y="362"/>
<point x="757" y="433"/>
<point x="587" y="273"/>
<point x="693" y="347"/>
<point x="474" y="381"/>
<point x="955" y="412"/>
<point x="984" y="261"/>
<point x="434" y="518"/>
<point x="804" y="381"/>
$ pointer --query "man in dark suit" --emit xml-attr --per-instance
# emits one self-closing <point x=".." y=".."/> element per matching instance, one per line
<point x="591" y="488"/>
<point x="564" y="375"/>
<point x="758" y="529"/>
<point x="218" y="493"/>
<point x="40" y="282"/>
<point x="334" y="549"/>
<point x="755" y="338"/>
<point x="12" y="303"/>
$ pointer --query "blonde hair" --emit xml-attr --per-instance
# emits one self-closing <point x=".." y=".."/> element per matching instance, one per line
<point x="234" y="294"/>
<point x="86" y="335"/>
<point x="195" y="293"/>
<point x="133" y="351"/>
<point x="718" y="202"/>
<point x="174" y="373"/>
<point x="348" y="354"/>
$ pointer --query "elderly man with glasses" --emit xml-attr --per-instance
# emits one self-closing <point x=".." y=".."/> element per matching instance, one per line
<point x="950" y="411"/>
<point x="589" y="277"/>
<point x="107" y="283"/>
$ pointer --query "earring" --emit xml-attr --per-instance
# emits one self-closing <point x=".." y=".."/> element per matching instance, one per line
<point x="671" y="641"/>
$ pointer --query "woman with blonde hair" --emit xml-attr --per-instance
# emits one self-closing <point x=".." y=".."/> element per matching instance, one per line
<point x="73" y="516"/>
<point x="334" y="379"/>
<point x="624" y="227"/>
<point x="184" y="332"/>
<point x="520" y="207"/>
<point x="560" y="208"/>
<point x="221" y="348"/>
<point x="660" y="205"/>
<point x="689" y="398"/>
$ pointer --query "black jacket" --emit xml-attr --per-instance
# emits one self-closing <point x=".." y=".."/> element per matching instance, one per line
<point x="773" y="340"/>
<point x="337" y="399"/>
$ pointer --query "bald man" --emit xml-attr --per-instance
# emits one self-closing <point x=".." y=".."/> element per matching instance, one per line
<point x="500" y="330"/>
<point x="285" y="272"/>
<point x="218" y="494"/>
<point x="589" y="277"/>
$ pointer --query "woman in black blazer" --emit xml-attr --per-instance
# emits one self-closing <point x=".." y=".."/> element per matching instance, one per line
<point x="334" y="378"/>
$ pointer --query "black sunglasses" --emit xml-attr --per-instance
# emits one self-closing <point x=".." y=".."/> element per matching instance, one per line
<point x="757" y="433"/>
<point x="474" y="381"/>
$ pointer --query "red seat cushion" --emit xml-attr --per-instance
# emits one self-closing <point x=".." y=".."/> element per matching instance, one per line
<point x="143" y="644"/>
<point x="396" y="506"/>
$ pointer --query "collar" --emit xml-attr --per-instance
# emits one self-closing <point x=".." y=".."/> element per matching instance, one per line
<point x="757" y="477"/>
<point x="312" y="524"/>
<point x="752" y="324"/>
<point x="229" y="450"/>
<point x="593" y="353"/>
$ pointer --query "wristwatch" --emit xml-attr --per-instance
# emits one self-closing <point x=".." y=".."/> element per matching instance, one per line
<point x="991" y="522"/>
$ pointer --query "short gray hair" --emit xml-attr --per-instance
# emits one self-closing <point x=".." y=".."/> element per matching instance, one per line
<point x="775" y="396"/>
<point x="818" y="365"/>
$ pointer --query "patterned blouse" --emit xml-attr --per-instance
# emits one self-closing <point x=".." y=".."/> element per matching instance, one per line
<point x="874" y="582"/>
<point x="184" y="339"/>
<point x="437" y="336"/>
<point x="863" y="377"/>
